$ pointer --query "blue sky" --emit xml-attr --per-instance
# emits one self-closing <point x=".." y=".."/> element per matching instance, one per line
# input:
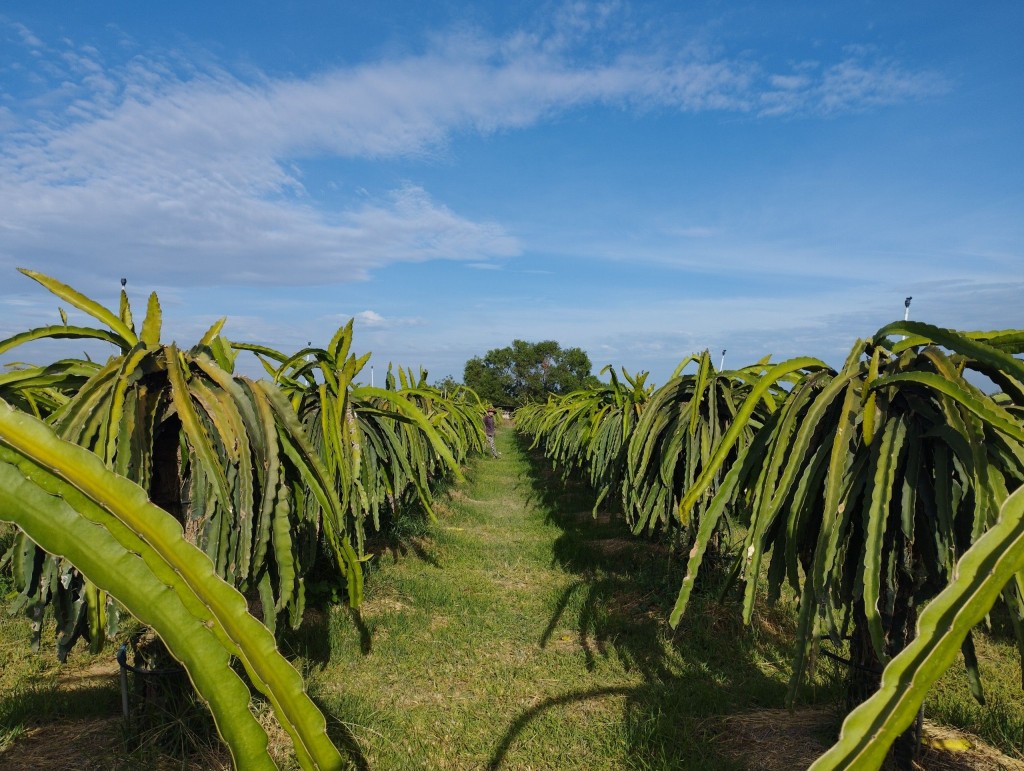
<point x="639" y="179"/>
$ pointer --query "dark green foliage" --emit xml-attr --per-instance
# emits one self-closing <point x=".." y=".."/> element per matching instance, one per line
<point x="385" y="449"/>
<point x="448" y="385"/>
<point x="859" y="490"/>
<point x="589" y="431"/>
<point x="223" y="454"/>
<point x="528" y="372"/>
<point x="865" y="488"/>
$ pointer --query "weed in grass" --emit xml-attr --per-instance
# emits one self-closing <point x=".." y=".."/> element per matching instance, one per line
<point x="173" y="724"/>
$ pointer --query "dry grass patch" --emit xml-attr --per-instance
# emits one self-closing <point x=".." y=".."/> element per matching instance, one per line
<point x="73" y="744"/>
<point x="947" y="749"/>
<point x="375" y="607"/>
<point x="784" y="740"/>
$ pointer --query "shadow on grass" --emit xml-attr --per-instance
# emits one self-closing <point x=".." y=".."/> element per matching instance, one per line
<point x="341" y="734"/>
<point x="625" y="587"/>
<point x="498" y="758"/>
<point x="398" y="547"/>
<point x="47" y="702"/>
<point x="325" y="589"/>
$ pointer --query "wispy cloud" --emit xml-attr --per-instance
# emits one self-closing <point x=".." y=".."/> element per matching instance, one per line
<point x="370" y="318"/>
<point x="658" y="334"/>
<point x="187" y="172"/>
<point x="26" y="35"/>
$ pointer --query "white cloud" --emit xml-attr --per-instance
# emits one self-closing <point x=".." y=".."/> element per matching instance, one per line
<point x="370" y="318"/>
<point x="658" y="334"/>
<point x="857" y="84"/>
<point x="27" y="37"/>
<point x="187" y="172"/>
<point x="861" y="80"/>
<point x="203" y="230"/>
<point x="789" y="82"/>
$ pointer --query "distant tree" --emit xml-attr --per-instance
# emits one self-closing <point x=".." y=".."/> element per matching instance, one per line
<point x="527" y="372"/>
<point x="448" y="384"/>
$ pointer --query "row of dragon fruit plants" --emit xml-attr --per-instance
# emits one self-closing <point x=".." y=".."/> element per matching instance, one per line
<point x="885" y="495"/>
<point x="164" y="486"/>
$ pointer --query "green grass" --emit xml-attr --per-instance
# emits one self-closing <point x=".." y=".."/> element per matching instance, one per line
<point x="35" y="689"/>
<point x="1001" y="720"/>
<point x="518" y="632"/>
<point x="522" y="633"/>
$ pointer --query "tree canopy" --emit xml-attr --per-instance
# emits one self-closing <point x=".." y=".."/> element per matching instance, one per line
<point x="527" y="372"/>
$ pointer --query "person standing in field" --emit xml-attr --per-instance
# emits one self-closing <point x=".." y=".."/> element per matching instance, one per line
<point x="489" y="430"/>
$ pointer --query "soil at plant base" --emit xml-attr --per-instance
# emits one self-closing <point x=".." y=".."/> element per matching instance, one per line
<point x="88" y="744"/>
<point x="784" y="740"/>
<point x="574" y="575"/>
<point x="95" y="743"/>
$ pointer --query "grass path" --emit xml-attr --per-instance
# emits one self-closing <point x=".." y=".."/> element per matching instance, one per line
<point x="520" y="633"/>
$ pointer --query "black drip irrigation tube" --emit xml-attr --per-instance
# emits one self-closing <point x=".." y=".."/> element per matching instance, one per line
<point x="848" y="662"/>
<point x="122" y="661"/>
